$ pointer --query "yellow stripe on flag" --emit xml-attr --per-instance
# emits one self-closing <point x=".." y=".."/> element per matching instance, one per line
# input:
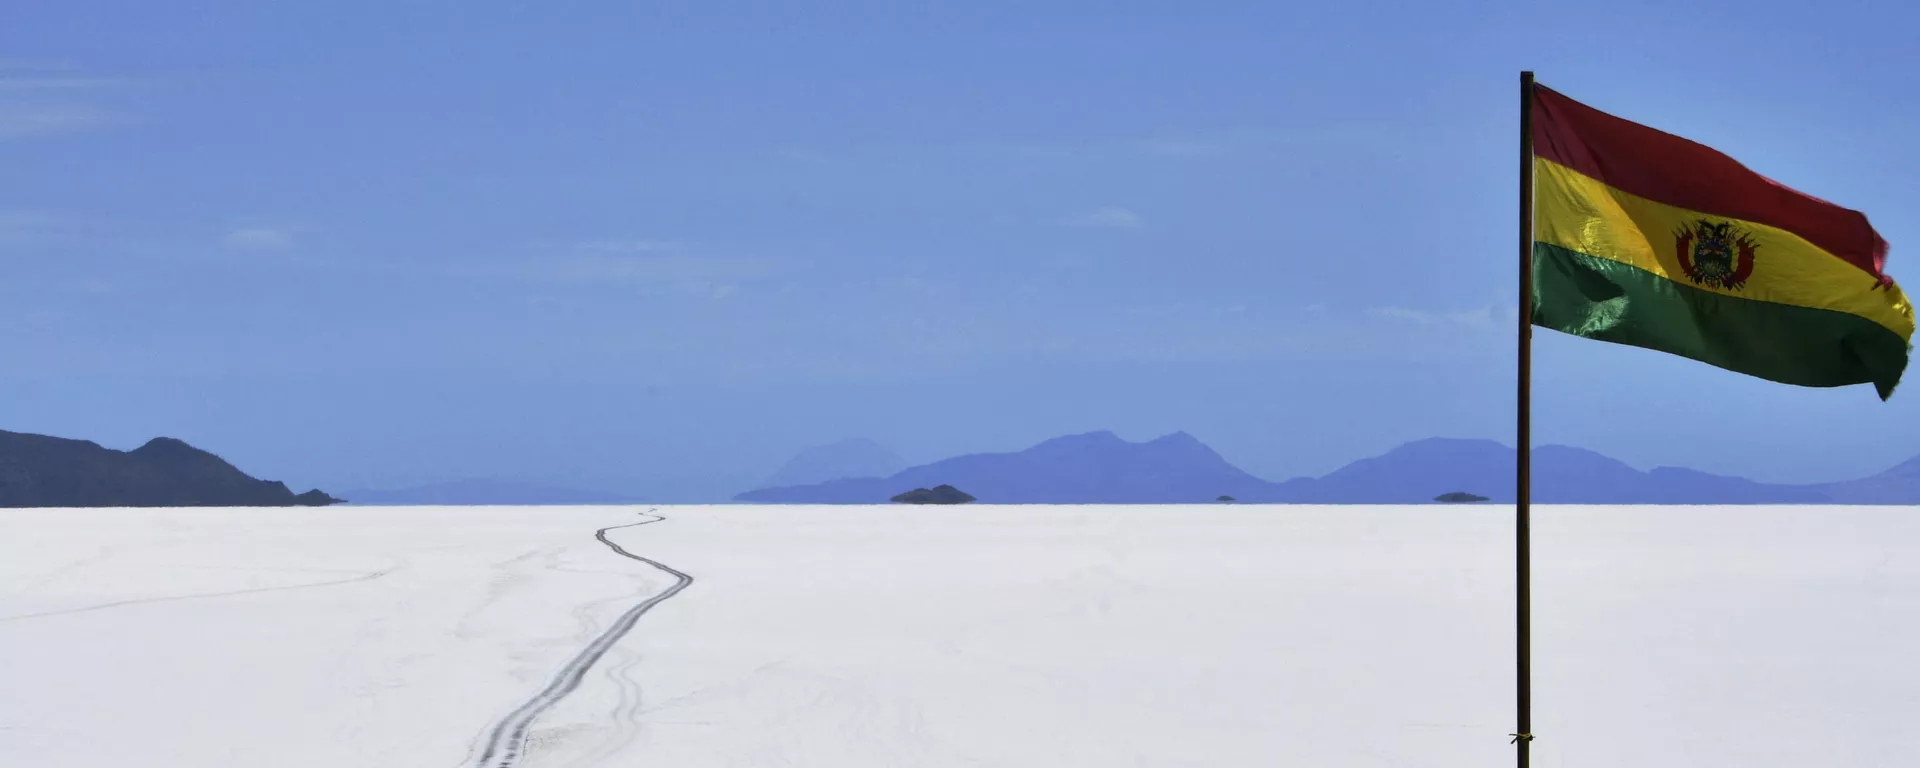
<point x="1580" y="213"/>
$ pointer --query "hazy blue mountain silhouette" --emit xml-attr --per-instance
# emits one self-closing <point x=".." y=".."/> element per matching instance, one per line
<point x="44" y="471"/>
<point x="481" y="492"/>
<point x="1899" y="485"/>
<point x="1101" y="468"/>
<point x="1419" y="471"/>
<point x="1094" y="468"/>
<point x="850" y="458"/>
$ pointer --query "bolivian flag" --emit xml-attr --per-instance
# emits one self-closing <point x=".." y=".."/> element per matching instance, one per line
<point x="1647" y="239"/>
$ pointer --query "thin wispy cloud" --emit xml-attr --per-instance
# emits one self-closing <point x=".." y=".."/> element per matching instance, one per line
<point x="688" y="267"/>
<point x="260" y="239"/>
<point x="40" y="100"/>
<point x="1174" y="148"/>
<point x="18" y="120"/>
<point x="37" y="229"/>
<point x="623" y="246"/>
<point x="1484" y="317"/>
<point x="641" y="260"/>
<point x="50" y="82"/>
<point x="16" y="223"/>
<point x="659" y="269"/>
<point x="1105" y="218"/>
<point x="1197" y="146"/>
<point x="1180" y="147"/>
<point x="8" y="66"/>
<point x="805" y="156"/>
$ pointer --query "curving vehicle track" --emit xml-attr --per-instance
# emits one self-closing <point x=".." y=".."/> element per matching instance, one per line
<point x="507" y="741"/>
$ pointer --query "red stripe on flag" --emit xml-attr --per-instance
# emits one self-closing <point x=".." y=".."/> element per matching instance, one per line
<point x="1665" y="168"/>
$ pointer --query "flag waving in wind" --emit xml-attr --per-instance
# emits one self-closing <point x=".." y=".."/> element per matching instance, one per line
<point x="1647" y="239"/>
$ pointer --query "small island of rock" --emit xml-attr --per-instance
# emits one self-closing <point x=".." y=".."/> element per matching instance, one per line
<point x="1458" y="497"/>
<point x="944" y="494"/>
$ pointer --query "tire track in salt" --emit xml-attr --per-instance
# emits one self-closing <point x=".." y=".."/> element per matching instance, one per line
<point x="625" y="714"/>
<point x="201" y="596"/>
<point x="506" y="743"/>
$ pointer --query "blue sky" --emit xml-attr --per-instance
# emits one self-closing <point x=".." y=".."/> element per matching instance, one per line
<point x="658" y="247"/>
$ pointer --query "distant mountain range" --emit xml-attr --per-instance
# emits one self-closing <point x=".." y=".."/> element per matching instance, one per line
<point x="43" y="471"/>
<point x="483" y="492"/>
<point x="853" y="457"/>
<point x="1092" y="468"/>
<point x="1101" y="468"/>
<point x="1419" y="471"/>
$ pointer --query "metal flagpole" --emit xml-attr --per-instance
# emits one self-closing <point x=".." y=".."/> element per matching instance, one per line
<point x="1523" y="735"/>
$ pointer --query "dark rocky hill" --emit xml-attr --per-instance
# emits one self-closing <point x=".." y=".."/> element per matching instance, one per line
<point x="43" y="471"/>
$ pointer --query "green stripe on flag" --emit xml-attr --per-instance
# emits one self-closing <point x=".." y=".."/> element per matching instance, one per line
<point x="1607" y="300"/>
